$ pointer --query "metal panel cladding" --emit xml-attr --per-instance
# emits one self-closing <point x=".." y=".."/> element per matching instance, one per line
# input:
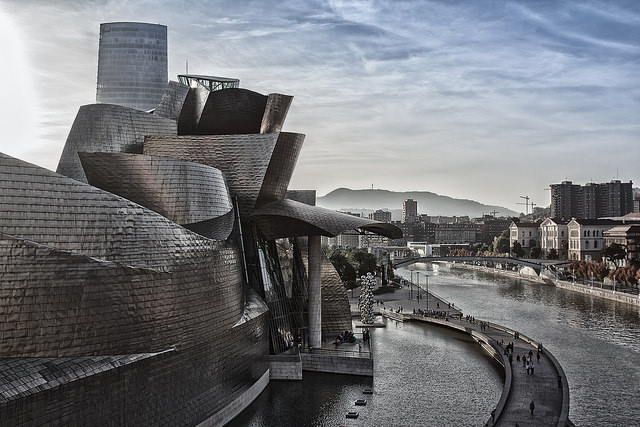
<point x="132" y="64"/>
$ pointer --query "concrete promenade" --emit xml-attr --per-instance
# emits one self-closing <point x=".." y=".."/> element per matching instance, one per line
<point x="547" y="387"/>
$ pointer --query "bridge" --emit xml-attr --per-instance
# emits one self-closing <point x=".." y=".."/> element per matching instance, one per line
<point x="536" y="264"/>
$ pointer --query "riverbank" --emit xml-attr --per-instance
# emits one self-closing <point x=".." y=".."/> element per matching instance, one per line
<point x="575" y="287"/>
<point x="548" y="387"/>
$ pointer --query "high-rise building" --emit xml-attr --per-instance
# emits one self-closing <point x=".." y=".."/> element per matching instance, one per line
<point x="409" y="211"/>
<point x="591" y="200"/>
<point x="132" y="64"/>
<point x="380" y="215"/>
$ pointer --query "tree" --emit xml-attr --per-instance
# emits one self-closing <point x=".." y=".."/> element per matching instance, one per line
<point x="343" y="267"/>
<point x="614" y="252"/>
<point x="553" y="254"/>
<point x="501" y="245"/>
<point x="535" y="252"/>
<point x="517" y="250"/>
<point x="366" y="262"/>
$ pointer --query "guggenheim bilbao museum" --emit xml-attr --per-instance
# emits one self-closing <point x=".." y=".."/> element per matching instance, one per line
<point x="151" y="278"/>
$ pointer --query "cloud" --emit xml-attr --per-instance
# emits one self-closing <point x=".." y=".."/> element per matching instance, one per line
<point x="461" y="98"/>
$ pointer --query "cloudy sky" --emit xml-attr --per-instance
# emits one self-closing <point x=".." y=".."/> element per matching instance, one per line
<point x="484" y="100"/>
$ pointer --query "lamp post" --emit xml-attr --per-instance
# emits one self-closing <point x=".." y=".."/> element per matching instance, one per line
<point x="418" y="274"/>
<point x="385" y="262"/>
<point x="427" y="292"/>
<point x="411" y="286"/>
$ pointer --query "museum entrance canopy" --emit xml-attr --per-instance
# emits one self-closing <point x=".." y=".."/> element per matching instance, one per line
<point x="288" y="218"/>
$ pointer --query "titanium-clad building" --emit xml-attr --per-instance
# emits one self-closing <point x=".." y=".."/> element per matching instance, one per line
<point x="132" y="64"/>
<point x="149" y="280"/>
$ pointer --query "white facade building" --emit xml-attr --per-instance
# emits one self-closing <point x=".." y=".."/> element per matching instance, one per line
<point x="586" y="238"/>
<point x="554" y="234"/>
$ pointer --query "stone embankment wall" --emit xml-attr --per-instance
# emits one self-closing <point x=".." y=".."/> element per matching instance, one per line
<point x="576" y="287"/>
<point x="336" y="364"/>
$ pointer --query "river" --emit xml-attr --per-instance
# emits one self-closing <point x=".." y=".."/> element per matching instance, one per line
<point x="429" y="376"/>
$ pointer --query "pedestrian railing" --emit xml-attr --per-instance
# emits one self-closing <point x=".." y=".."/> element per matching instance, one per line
<point x="337" y="352"/>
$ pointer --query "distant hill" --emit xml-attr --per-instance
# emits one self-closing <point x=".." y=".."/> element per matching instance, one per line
<point x="428" y="203"/>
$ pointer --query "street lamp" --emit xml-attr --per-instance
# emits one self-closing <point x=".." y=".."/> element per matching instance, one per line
<point x="411" y="286"/>
<point x="418" y="274"/>
<point x="427" y="292"/>
<point x="385" y="262"/>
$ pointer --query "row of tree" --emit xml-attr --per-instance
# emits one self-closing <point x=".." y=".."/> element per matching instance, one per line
<point x="629" y="275"/>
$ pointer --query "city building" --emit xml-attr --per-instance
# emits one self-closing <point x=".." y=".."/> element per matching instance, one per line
<point x="380" y="215"/>
<point x="591" y="200"/>
<point x="554" y="236"/>
<point x="463" y="232"/>
<point x="586" y="238"/>
<point x="409" y="211"/>
<point x="489" y="227"/>
<point x="527" y="234"/>
<point x="151" y="278"/>
<point x="132" y="64"/>
<point x="627" y="236"/>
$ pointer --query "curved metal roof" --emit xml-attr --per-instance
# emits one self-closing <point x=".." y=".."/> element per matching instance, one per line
<point x="288" y="218"/>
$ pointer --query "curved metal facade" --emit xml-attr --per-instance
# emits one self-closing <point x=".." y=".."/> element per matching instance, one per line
<point x="184" y="192"/>
<point x="172" y="101"/>
<point x="244" y="160"/>
<point x="142" y="284"/>
<point x="287" y="218"/>
<point x="110" y="129"/>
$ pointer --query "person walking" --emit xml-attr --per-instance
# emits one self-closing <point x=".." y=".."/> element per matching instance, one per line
<point x="532" y="406"/>
<point x="532" y="368"/>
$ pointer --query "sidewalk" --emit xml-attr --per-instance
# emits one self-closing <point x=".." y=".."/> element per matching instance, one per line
<point x="550" y="397"/>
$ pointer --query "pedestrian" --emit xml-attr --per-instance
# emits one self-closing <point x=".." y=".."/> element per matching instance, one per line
<point x="538" y="356"/>
<point x="493" y="416"/>
<point x="517" y="358"/>
<point x="530" y="354"/>
<point x="532" y="368"/>
<point x="532" y="406"/>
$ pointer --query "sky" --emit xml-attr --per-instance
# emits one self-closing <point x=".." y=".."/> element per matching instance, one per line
<point x="484" y="100"/>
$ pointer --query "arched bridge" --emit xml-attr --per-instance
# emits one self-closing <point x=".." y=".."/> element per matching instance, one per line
<point x="536" y="264"/>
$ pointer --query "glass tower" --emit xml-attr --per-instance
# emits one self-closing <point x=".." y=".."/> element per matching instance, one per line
<point x="132" y="64"/>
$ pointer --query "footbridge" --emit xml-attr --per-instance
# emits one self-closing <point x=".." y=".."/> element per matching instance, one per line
<point x="536" y="264"/>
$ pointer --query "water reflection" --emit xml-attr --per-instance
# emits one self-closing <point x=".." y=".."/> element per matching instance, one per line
<point x="429" y="376"/>
<point x="595" y="340"/>
<point x="423" y="376"/>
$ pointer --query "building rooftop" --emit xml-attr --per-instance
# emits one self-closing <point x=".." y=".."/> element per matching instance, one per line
<point x="210" y="82"/>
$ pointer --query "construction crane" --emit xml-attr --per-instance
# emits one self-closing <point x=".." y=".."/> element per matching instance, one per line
<point x="526" y="203"/>
<point x="494" y="213"/>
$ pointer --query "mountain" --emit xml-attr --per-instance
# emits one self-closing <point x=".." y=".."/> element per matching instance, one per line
<point x="429" y="203"/>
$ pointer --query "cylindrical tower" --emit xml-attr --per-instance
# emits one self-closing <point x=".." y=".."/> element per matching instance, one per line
<point x="132" y="64"/>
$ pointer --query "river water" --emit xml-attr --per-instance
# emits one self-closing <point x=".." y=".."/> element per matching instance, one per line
<point x="430" y="376"/>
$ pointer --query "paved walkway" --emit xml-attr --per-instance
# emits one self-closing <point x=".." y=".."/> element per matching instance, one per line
<point x="551" y="398"/>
